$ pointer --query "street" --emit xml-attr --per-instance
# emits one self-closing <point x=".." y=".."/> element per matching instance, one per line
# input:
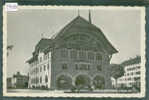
<point x="58" y="91"/>
<point x="29" y="91"/>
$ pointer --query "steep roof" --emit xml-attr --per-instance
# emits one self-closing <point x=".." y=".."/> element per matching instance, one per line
<point x="43" y="43"/>
<point x="42" y="46"/>
<point x="79" y="24"/>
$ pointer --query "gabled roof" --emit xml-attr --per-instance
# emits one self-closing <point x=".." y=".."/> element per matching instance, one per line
<point x="80" y="24"/>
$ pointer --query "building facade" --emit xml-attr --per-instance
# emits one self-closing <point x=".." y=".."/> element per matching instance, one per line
<point x="132" y="73"/>
<point x="9" y="83"/>
<point x="79" y="55"/>
<point x="19" y="81"/>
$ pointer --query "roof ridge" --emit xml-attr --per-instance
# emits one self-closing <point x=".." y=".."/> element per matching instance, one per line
<point x="67" y="26"/>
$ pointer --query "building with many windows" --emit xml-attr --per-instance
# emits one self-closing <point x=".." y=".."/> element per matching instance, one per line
<point x="132" y="74"/>
<point x="79" y="55"/>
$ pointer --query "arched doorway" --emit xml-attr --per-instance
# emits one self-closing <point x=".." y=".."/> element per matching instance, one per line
<point x="82" y="82"/>
<point x="98" y="82"/>
<point x="64" y="82"/>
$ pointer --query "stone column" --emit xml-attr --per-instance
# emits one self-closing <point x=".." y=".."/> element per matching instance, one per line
<point x="108" y="83"/>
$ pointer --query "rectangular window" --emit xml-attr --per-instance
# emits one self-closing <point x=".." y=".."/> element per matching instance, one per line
<point x="138" y="73"/>
<point x="73" y="54"/>
<point x="48" y="66"/>
<point x="90" y="55"/>
<point x="82" y="67"/>
<point x="40" y="79"/>
<point x="46" y="78"/>
<point x="98" y="56"/>
<point x="64" y="53"/>
<point x="40" y="68"/>
<point x="48" y="55"/>
<point x="44" y="67"/>
<point x="64" y="66"/>
<point x="82" y="55"/>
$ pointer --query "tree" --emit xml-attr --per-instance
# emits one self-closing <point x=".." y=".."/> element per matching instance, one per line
<point x="64" y="82"/>
<point x="82" y="82"/>
<point x="117" y="71"/>
<point x="99" y="82"/>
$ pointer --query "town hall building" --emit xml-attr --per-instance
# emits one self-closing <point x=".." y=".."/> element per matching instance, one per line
<point x="78" y="56"/>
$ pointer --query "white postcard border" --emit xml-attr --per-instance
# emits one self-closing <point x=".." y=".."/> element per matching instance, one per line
<point x="59" y="94"/>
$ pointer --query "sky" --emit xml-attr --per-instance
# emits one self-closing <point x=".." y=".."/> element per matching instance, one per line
<point x="26" y="27"/>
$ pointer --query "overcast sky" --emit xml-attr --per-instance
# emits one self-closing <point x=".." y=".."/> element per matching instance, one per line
<point x="121" y="27"/>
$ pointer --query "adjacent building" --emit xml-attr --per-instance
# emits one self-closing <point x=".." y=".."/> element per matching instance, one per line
<point x="9" y="82"/>
<point x="79" y="55"/>
<point x="132" y="74"/>
<point x="19" y="81"/>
